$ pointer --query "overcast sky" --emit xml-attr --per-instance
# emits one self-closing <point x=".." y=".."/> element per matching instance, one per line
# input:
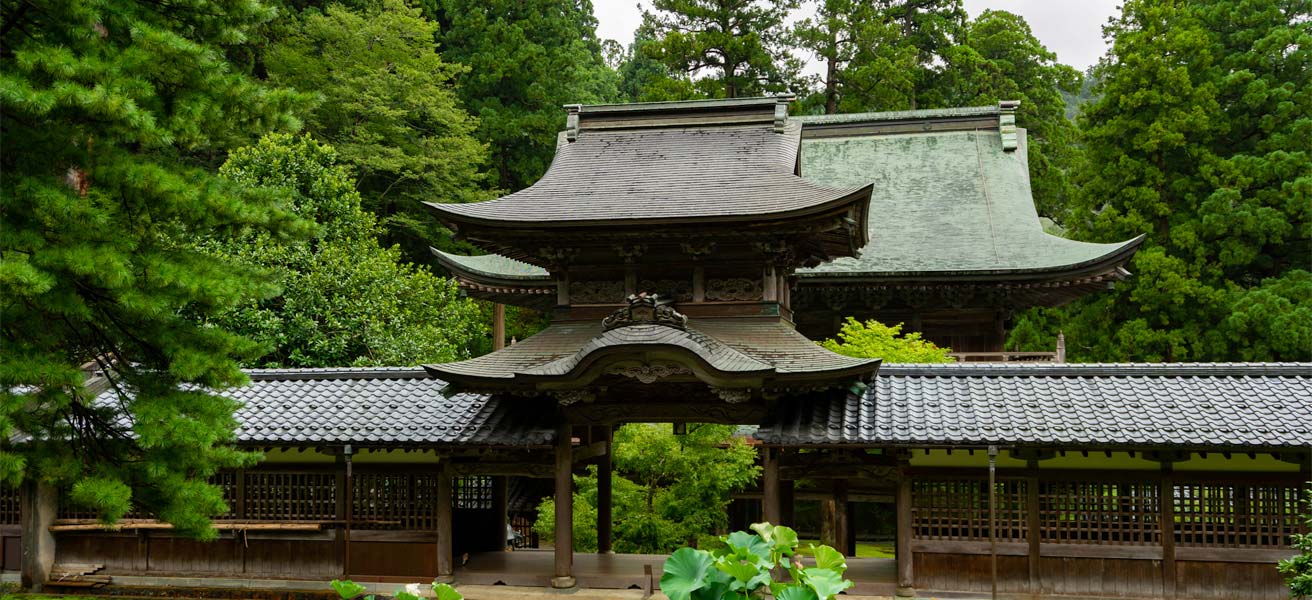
<point x="1071" y="28"/>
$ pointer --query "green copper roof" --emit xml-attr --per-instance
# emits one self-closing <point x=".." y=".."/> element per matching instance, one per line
<point x="944" y="202"/>
<point x="492" y="266"/>
<point x="901" y="115"/>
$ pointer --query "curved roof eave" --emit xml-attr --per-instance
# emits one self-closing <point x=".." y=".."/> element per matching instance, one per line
<point x="492" y="268"/>
<point x="1116" y="257"/>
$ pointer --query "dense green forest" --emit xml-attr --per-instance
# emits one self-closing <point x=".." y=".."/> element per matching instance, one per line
<point x="194" y="186"/>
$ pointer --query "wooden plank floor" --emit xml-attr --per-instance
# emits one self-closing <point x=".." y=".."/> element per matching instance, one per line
<point x="533" y="568"/>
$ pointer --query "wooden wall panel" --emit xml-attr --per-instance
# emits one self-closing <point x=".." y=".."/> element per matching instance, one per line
<point x="1109" y="577"/>
<point x="119" y="553"/>
<point x="182" y="555"/>
<point x="1229" y="581"/>
<point x="968" y="572"/>
<point x="394" y="559"/>
<point x="299" y="559"/>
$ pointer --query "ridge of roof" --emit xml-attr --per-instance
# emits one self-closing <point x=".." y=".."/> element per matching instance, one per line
<point x="708" y="103"/>
<point x="1275" y="369"/>
<point x="298" y="373"/>
<point x="900" y="115"/>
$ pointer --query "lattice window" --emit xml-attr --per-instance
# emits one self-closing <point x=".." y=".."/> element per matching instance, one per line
<point x="10" y="511"/>
<point x="472" y="492"/>
<point x="278" y="496"/>
<point x="393" y="501"/>
<point x="1090" y="512"/>
<point x="1236" y="515"/>
<point x="959" y="510"/>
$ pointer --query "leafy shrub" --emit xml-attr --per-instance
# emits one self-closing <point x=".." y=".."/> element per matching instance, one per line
<point x="350" y="590"/>
<point x="1298" y="570"/>
<point x="743" y="569"/>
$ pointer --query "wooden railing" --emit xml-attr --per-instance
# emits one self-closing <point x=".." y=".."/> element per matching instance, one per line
<point x="1058" y="355"/>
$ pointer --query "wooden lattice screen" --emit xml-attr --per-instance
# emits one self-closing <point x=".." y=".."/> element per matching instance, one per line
<point x="1091" y="512"/>
<point x="393" y="501"/>
<point x="473" y="492"/>
<point x="10" y="505"/>
<point x="292" y="496"/>
<point x="1236" y="515"/>
<point x="958" y="509"/>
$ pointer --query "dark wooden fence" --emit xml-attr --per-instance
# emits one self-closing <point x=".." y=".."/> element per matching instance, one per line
<point x="1106" y="533"/>
<point x="295" y="523"/>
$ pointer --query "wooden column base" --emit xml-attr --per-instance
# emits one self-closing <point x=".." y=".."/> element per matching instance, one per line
<point x="905" y="592"/>
<point x="563" y="583"/>
<point x="447" y="579"/>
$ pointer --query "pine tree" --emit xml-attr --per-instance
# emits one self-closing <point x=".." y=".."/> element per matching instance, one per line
<point x="1202" y="139"/>
<point x="868" y="64"/>
<point x="107" y="107"/>
<point x="525" y="59"/>
<point x="731" y="48"/>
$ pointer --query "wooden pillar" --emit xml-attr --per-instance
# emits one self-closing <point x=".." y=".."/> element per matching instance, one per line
<point x="1032" y="524"/>
<point x="605" y="467"/>
<point x="500" y="506"/>
<point x="445" y="555"/>
<point x="39" y="505"/>
<point x="498" y="326"/>
<point x="905" y="578"/>
<point x="842" y="526"/>
<point x="1166" y="500"/>
<point x="564" y="574"/>
<point x="770" y="485"/>
<point x="788" y="502"/>
<point x="345" y="505"/>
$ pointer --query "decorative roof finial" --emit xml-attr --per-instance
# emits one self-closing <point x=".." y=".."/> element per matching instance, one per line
<point x="646" y="309"/>
<point x="1007" y="124"/>
<point x="572" y="122"/>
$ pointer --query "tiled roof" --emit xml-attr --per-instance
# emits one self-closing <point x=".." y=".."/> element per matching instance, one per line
<point x="763" y="348"/>
<point x="668" y="174"/>
<point x="377" y="406"/>
<point x="944" y="203"/>
<point x="1203" y="405"/>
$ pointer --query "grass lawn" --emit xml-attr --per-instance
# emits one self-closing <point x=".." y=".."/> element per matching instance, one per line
<point x="863" y="549"/>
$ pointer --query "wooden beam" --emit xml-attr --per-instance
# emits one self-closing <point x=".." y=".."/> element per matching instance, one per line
<point x="498" y="326"/>
<point x="564" y="563"/>
<point x="445" y="562"/>
<point x="770" y="485"/>
<point x="605" y="493"/>
<point x="594" y="450"/>
<point x="906" y="585"/>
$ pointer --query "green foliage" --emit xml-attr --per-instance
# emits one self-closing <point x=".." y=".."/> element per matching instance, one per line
<point x="869" y="64"/>
<point x="347" y="589"/>
<point x="1298" y="569"/>
<point x="389" y="107"/>
<point x="873" y="339"/>
<point x="744" y="568"/>
<point x="1002" y="60"/>
<point x="108" y="110"/>
<point x="350" y="590"/>
<point x="525" y="60"/>
<point x="667" y="489"/>
<point x="345" y="300"/>
<point x="1199" y="139"/>
<point x="728" y="49"/>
